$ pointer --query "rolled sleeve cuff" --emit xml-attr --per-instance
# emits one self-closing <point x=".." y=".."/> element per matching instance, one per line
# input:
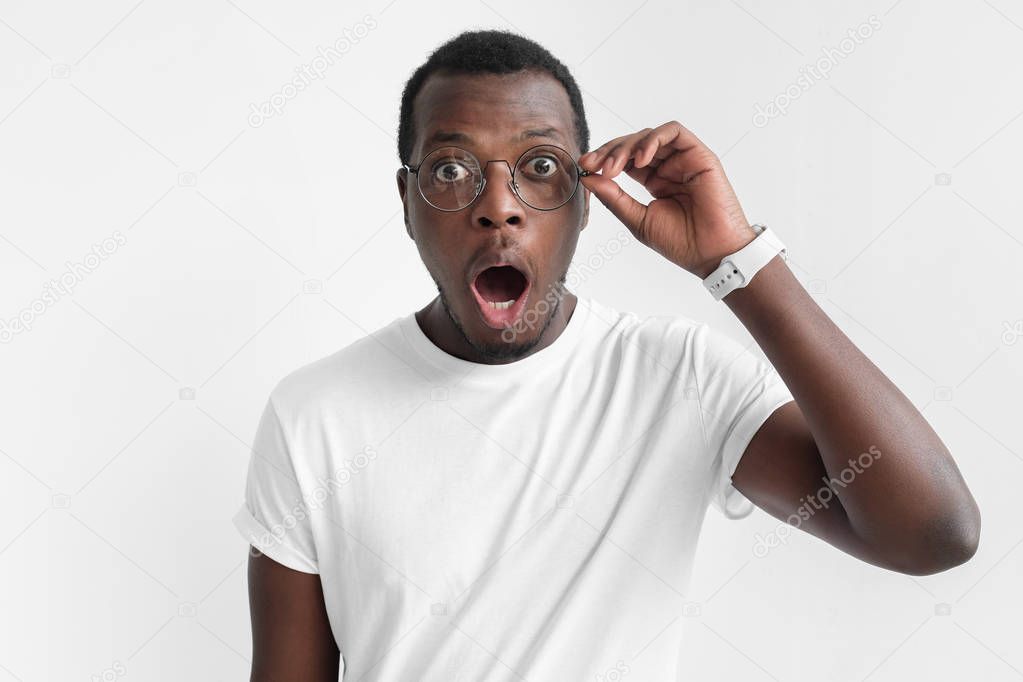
<point x="732" y="503"/>
<point x="274" y="547"/>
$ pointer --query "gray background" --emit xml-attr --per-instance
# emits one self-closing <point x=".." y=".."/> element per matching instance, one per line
<point x="248" y="250"/>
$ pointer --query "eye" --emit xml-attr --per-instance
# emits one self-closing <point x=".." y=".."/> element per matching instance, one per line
<point x="450" y="171"/>
<point x="542" y="166"/>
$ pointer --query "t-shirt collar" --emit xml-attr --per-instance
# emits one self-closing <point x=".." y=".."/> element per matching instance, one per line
<point x="552" y="354"/>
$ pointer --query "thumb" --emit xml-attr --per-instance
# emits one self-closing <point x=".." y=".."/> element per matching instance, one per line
<point x="617" y="200"/>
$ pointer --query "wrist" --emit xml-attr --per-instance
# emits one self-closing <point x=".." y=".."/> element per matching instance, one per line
<point x="737" y="269"/>
<point x="742" y="238"/>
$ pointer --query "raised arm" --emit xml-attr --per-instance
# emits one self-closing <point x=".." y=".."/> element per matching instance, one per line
<point x="912" y="511"/>
<point x="903" y="504"/>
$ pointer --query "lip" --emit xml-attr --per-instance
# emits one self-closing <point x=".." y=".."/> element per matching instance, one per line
<point x="492" y="317"/>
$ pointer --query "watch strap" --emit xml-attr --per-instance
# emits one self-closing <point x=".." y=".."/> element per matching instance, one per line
<point x="736" y="270"/>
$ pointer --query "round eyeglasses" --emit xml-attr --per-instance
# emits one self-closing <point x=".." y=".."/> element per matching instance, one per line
<point x="545" y="177"/>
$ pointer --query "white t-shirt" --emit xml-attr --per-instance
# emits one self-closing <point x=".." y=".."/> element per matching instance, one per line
<point x="536" y="519"/>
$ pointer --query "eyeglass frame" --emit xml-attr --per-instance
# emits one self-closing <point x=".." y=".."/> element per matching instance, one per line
<point x="579" y="173"/>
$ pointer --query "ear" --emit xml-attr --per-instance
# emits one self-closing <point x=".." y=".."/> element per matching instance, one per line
<point x="402" y="177"/>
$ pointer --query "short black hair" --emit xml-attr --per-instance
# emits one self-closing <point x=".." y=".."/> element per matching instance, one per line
<point x="483" y="52"/>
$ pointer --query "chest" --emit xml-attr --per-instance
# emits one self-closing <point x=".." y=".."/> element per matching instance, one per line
<point x="444" y="489"/>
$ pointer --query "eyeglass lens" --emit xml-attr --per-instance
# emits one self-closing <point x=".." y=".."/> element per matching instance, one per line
<point x="545" y="177"/>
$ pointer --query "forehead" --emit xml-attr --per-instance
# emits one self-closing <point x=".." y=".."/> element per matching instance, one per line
<point x="493" y="110"/>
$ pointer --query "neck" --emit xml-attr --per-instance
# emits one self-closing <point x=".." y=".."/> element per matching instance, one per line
<point x="442" y="331"/>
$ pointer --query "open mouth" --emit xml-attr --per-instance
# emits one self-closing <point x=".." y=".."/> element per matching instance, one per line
<point x="500" y="292"/>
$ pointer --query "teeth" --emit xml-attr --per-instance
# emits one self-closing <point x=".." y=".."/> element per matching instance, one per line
<point x="501" y="305"/>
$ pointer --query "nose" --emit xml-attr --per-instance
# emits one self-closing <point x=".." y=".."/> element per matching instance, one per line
<point x="497" y="205"/>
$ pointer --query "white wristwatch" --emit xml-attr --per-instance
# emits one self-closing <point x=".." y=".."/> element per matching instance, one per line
<point x="738" y="269"/>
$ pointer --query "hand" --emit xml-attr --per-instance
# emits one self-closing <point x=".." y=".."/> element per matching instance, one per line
<point x="695" y="218"/>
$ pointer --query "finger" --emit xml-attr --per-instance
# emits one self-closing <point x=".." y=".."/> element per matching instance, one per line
<point x="663" y="177"/>
<point x="618" y="201"/>
<point x="686" y="168"/>
<point x="655" y="185"/>
<point x="641" y="148"/>
<point x="640" y="175"/>
<point x="658" y="157"/>
<point x="617" y="160"/>
<point x="594" y="159"/>
<point x="608" y="158"/>
<point x="665" y="139"/>
<point x="662" y="187"/>
<point x="647" y="149"/>
<point x="676" y="134"/>
<point x="661" y="142"/>
<point x="683" y="143"/>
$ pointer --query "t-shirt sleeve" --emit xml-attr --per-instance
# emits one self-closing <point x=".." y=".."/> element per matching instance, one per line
<point x="738" y="391"/>
<point x="274" y="517"/>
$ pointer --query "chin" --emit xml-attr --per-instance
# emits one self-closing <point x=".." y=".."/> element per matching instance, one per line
<point x="502" y="350"/>
<point x="500" y="345"/>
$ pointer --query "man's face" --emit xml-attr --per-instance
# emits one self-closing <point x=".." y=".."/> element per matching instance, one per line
<point x="497" y="250"/>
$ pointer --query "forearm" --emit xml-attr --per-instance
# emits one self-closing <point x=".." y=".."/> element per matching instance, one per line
<point x="912" y="500"/>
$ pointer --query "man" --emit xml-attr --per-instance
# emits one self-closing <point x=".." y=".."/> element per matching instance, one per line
<point x="510" y="483"/>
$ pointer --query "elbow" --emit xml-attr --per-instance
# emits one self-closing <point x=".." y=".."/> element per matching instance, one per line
<point x="945" y="542"/>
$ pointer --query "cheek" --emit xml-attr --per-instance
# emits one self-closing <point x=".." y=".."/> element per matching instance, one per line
<point x="560" y="240"/>
<point x="438" y="253"/>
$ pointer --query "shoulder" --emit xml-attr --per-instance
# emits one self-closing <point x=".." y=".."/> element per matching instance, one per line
<point x="666" y="341"/>
<point x="366" y="362"/>
<point x="652" y="332"/>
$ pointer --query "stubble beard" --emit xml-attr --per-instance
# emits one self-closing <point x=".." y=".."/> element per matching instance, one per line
<point x="503" y="351"/>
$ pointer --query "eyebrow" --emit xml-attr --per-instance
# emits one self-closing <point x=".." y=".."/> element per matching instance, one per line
<point x="458" y="136"/>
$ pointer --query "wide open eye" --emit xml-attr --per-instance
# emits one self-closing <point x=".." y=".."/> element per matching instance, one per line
<point x="450" y="171"/>
<point x="541" y="166"/>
